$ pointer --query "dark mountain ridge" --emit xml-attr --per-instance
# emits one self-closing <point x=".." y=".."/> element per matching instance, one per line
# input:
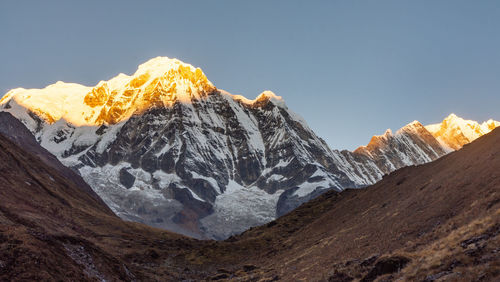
<point x="17" y="132"/>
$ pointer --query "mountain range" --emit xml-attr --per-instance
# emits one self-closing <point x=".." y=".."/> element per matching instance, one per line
<point x="165" y="147"/>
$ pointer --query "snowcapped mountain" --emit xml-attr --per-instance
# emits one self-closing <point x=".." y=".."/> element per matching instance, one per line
<point x="167" y="148"/>
<point x="454" y="132"/>
<point x="415" y="144"/>
<point x="410" y="145"/>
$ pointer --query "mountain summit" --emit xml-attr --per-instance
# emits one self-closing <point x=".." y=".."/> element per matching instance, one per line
<point x="454" y="132"/>
<point x="167" y="148"/>
<point x="159" y="82"/>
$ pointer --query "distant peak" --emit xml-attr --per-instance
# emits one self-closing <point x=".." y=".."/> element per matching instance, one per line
<point x="414" y="126"/>
<point x="490" y="124"/>
<point x="452" y="116"/>
<point x="414" y="123"/>
<point x="455" y="131"/>
<point x="159" y="60"/>
<point x="376" y="141"/>
<point x="161" y="64"/>
<point x="270" y="96"/>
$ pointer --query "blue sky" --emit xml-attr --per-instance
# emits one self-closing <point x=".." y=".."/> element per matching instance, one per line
<point x="350" y="68"/>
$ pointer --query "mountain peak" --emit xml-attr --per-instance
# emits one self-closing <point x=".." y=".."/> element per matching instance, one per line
<point x="161" y="65"/>
<point x="376" y="141"/>
<point x="412" y="124"/>
<point x="160" y="81"/>
<point x="270" y="96"/>
<point x="490" y="124"/>
<point x="453" y="119"/>
<point x="454" y="131"/>
<point x="452" y="116"/>
<point x="160" y="62"/>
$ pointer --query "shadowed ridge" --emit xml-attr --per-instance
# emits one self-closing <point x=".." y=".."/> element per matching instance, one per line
<point x="52" y="230"/>
<point x="14" y="130"/>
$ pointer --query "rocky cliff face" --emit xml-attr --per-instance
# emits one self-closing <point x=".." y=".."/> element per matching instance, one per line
<point x="208" y="163"/>
<point x="410" y="145"/>
<point x="167" y="148"/>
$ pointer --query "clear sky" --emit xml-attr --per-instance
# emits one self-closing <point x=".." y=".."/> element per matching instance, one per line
<point x="350" y="68"/>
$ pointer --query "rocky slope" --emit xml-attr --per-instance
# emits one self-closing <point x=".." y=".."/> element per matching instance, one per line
<point x="167" y="148"/>
<point x="40" y="213"/>
<point x="410" y="145"/>
<point x="15" y="131"/>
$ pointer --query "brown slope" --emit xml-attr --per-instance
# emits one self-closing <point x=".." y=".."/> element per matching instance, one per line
<point x="14" y="130"/>
<point x="52" y="230"/>
<point x="441" y="219"/>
